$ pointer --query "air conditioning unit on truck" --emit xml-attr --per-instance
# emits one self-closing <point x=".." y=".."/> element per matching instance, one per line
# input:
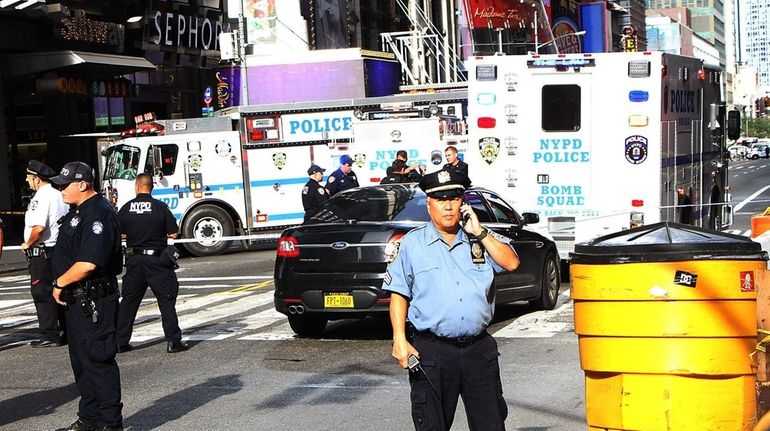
<point x="597" y="143"/>
<point x="242" y="172"/>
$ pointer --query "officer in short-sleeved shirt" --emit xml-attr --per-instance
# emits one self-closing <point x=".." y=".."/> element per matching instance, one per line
<point x="443" y="283"/>
<point x="86" y="261"/>
<point x="343" y="178"/>
<point x="314" y="194"/>
<point x="147" y="224"/>
<point x="40" y="233"/>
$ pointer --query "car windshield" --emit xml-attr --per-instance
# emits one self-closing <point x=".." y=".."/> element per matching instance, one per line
<point x="374" y="204"/>
<point x="122" y="162"/>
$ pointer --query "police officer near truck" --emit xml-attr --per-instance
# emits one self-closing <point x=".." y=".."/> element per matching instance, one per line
<point x="442" y="280"/>
<point x="343" y="178"/>
<point x="40" y="232"/>
<point x="147" y="223"/>
<point x="314" y="194"/>
<point x="86" y="262"/>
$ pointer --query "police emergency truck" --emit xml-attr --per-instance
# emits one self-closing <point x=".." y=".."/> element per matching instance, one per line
<point x="242" y="172"/>
<point x="597" y="143"/>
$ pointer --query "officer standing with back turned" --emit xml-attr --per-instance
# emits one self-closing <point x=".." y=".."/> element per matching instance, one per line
<point x="40" y="232"/>
<point x="86" y="262"/>
<point x="147" y="224"/>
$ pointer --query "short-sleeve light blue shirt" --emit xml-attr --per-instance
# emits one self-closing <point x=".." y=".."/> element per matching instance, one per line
<point x="448" y="294"/>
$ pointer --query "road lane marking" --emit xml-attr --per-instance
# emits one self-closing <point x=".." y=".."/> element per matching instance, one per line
<point x="240" y="277"/>
<point x="750" y="198"/>
<point x="248" y="287"/>
<point x="237" y="328"/>
<point x="203" y="315"/>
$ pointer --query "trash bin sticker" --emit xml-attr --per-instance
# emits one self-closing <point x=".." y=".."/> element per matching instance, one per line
<point x="747" y="281"/>
<point x="685" y="279"/>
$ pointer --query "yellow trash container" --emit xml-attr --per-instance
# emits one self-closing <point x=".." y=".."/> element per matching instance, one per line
<point x="666" y="319"/>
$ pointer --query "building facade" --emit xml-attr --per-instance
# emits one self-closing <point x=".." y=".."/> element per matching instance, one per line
<point x="755" y="39"/>
<point x="708" y="20"/>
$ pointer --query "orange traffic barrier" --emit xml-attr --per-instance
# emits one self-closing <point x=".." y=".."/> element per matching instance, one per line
<point x="760" y="223"/>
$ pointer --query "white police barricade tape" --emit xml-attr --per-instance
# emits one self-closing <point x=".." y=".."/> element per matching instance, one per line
<point x="257" y="237"/>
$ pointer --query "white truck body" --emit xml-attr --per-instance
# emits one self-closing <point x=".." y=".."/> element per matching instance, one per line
<point x="243" y="171"/>
<point x="597" y="143"/>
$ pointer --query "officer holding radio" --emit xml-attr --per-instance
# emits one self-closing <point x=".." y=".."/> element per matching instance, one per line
<point x="40" y="232"/>
<point x="147" y="223"/>
<point x="86" y="262"/>
<point x="442" y="280"/>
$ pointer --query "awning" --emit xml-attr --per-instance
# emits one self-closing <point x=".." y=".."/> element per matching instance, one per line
<point x="88" y="64"/>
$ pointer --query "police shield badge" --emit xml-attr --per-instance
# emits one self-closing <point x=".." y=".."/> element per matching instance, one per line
<point x="360" y="159"/>
<point x="489" y="148"/>
<point x="279" y="160"/>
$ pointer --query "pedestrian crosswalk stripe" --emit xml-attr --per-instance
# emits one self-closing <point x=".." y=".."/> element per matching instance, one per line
<point x="243" y="304"/>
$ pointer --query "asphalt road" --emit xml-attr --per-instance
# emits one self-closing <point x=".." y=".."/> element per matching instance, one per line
<point x="246" y="370"/>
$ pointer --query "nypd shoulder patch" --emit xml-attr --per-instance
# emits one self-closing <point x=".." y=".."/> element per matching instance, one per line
<point x="97" y="228"/>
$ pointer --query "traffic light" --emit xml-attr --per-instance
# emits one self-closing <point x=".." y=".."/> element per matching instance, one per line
<point x="733" y="124"/>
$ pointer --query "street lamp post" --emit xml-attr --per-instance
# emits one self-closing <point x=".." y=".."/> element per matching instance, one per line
<point x="537" y="47"/>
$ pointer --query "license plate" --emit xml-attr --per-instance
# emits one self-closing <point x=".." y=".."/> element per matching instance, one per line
<point x="338" y="300"/>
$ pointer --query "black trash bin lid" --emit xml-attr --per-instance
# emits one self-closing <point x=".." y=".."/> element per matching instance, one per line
<point x="666" y="242"/>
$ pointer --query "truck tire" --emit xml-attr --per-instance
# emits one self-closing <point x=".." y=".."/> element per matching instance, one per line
<point x="207" y="223"/>
<point x="307" y="326"/>
<point x="550" y="284"/>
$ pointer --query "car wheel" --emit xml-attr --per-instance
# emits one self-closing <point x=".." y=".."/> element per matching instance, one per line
<point x="550" y="284"/>
<point x="207" y="223"/>
<point x="307" y="326"/>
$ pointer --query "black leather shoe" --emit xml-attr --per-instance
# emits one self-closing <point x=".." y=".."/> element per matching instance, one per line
<point x="112" y="428"/>
<point x="125" y="348"/>
<point x="45" y="343"/>
<point x="79" y="425"/>
<point x="176" y="346"/>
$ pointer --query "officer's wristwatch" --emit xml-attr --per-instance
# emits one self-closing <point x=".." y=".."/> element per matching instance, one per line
<point x="55" y="284"/>
<point x="483" y="234"/>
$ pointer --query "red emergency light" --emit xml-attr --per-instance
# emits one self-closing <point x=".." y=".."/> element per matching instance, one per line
<point x="637" y="203"/>
<point x="486" y="122"/>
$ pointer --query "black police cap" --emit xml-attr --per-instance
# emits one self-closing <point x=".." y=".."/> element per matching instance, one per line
<point x="40" y="169"/>
<point x="444" y="184"/>
<point x="74" y="171"/>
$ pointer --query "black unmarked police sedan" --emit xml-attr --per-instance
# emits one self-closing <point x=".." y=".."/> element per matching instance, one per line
<point x="332" y="267"/>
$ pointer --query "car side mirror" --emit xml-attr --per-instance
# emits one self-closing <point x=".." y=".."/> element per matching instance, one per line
<point x="530" y="218"/>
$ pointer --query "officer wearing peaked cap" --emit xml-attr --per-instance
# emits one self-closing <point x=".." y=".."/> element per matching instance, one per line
<point x="343" y="178"/>
<point x="314" y="194"/>
<point x="40" y="232"/>
<point x="86" y="262"/>
<point x="442" y="280"/>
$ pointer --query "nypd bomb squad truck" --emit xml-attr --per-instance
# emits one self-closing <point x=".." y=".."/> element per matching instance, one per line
<point x="597" y="143"/>
<point x="241" y="173"/>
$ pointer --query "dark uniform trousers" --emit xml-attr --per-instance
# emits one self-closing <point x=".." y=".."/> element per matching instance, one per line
<point x="142" y="270"/>
<point x="472" y="372"/>
<point x="50" y="315"/>
<point x="92" y="349"/>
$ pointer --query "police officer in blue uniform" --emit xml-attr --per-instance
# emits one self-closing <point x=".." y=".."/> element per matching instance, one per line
<point x="343" y="178"/>
<point x="314" y="194"/>
<point x="40" y="232"/>
<point x="147" y="223"/>
<point x="442" y="280"/>
<point x="86" y="262"/>
<point x="453" y="163"/>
